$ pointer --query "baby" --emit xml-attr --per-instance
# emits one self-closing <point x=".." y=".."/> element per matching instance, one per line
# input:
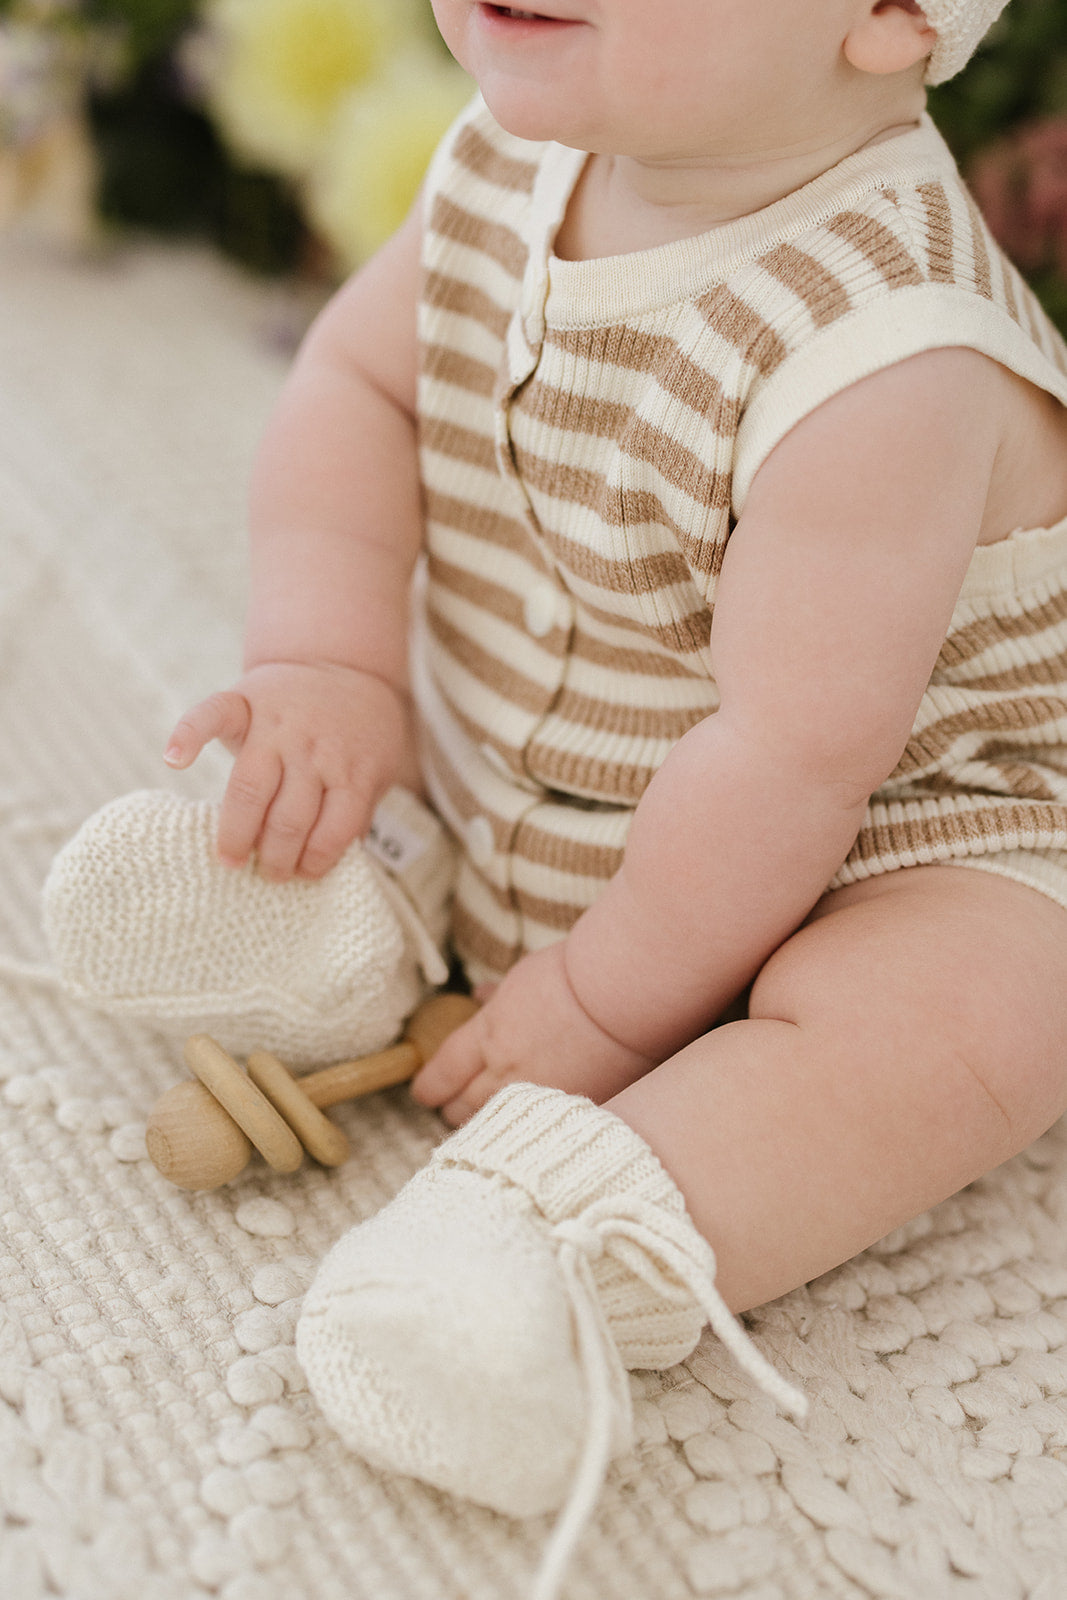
<point x="738" y="455"/>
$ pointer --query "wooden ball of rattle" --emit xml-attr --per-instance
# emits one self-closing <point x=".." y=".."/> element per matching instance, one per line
<point x="201" y="1134"/>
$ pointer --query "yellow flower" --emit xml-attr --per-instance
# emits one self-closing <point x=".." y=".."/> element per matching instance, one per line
<point x="285" y="65"/>
<point x="380" y="145"/>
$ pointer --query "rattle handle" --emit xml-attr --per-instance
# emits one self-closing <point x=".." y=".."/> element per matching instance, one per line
<point x="348" y="1079"/>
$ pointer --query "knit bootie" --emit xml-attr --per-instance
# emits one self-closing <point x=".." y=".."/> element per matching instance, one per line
<point x="143" y="921"/>
<point x="476" y="1332"/>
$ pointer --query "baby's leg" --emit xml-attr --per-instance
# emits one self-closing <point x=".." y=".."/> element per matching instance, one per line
<point x="907" y="1039"/>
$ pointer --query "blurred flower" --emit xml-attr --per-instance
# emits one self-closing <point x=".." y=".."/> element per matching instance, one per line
<point x="379" y="147"/>
<point x="1021" y="184"/>
<point x="47" y="160"/>
<point x="40" y="79"/>
<point x="283" y="67"/>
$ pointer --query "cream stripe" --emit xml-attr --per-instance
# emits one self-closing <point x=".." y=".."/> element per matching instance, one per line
<point x="624" y="685"/>
<point x="446" y="476"/>
<point x="512" y="661"/>
<point x="684" y="628"/>
<point x="468" y="336"/>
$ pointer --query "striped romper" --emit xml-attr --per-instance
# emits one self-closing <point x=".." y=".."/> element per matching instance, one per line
<point x="588" y="433"/>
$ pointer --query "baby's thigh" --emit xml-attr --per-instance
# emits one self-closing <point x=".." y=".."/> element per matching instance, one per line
<point x="937" y="965"/>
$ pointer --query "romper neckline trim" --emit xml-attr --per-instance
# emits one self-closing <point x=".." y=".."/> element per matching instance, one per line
<point x="603" y="290"/>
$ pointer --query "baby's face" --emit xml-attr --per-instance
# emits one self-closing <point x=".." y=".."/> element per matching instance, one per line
<point x="656" y="79"/>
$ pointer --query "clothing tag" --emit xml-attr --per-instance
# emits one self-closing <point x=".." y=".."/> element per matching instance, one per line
<point x="393" y="843"/>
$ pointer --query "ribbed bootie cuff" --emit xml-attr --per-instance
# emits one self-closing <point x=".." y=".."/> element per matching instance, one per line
<point x="569" y="1155"/>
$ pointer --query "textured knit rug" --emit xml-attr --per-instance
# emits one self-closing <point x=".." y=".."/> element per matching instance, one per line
<point x="156" y="1439"/>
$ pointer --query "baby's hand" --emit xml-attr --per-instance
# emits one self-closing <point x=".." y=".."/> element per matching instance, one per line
<point x="316" y="748"/>
<point x="531" y="1029"/>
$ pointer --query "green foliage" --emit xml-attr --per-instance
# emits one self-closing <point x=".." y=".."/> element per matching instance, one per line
<point x="148" y="26"/>
<point x="1018" y="77"/>
<point x="1019" y="73"/>
<point x="163" y="167"/>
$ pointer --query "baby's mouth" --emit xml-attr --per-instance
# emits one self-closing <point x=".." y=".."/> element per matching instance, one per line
<point x="520" y="14"/>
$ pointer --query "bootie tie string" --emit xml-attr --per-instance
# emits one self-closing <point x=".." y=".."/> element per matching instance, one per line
<point x="662" y="1250"/>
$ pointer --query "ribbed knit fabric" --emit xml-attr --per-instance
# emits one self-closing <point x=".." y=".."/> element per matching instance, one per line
<point x="961" y="25"/>
<point x="476" y="1332"/>
<point x="589" y="434"/>
<point x="144" y="922"/>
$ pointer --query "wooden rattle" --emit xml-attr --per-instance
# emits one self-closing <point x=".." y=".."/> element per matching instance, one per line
<point x="201" y="1134"/>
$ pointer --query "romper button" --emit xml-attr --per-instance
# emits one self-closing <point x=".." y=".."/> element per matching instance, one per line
<point x="481" y="841"/>
<point x="539" y="610"/>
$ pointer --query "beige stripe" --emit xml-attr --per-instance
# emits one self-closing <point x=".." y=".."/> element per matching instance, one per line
<point x="502" y="604"/>
<point x="878" y="245"/>
<point x="570" y="772"/>
<point x="455" y="368"/>
<point x="474" y="941"/>
<point x="736" y="322"/>
<point x="475" y="153"/>
<point x="1026" y="674"/>
<point x="477" y="734"/>
<point x="586" y="648"/>
<point x="618" y="506"/>
<point x="466" y="805"/>
<point x="480" y="522"/>
<point x="487" y="668"/>
<point x="689" y="633"/>
<point x="506" y="604"/>
<point x="983" y="274"/>
<point x="571" y="411"/>
<point x="822" y="293"/>
<point x="494" y="239"/>
<point x="657" y="356"/>
<point x="633" y="436"/>
<point x="934" y="837"/>
<point x="630" y="574"/>
<point x="975" y="637"/>
<point x="446" y="293"/>
<point x="1001" y="716"/>
<point x="562" y="854"/>
<point x="558" y="914"/>
<point x="1017" y="778"/>
<point x="624" y="719"/>
<point x="940" y="232"/>
<point x="461" y="444"/>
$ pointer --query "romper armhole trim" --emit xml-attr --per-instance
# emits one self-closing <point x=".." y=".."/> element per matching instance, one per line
<point x="870" y="339"/>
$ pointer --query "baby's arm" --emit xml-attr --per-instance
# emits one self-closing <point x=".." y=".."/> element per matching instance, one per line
<point x="320" y="720"/>
<point x="835" y="595"/>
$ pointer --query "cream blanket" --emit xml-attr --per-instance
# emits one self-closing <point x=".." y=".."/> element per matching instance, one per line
<point x="156" y="1440"/>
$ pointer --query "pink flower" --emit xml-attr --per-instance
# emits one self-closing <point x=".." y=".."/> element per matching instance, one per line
<point x="1020" y="182"/>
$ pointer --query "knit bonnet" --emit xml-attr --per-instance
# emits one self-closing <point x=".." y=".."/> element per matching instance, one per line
<point x="961" y="26"/>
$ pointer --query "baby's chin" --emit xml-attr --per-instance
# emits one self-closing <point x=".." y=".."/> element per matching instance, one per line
<point x="523" y="110"/>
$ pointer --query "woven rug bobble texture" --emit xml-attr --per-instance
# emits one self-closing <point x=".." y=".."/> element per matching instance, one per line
<point x="156" y="1438"/>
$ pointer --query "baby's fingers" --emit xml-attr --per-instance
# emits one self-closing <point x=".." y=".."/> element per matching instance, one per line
<point x="453" y="1072"/>
<point x="294" y="811"/>
<point x="254" y="782"/>
<point x="344" y="816"/>
<point x="226" y="716"/>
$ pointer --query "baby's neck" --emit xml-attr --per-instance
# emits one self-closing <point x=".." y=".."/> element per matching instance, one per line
<point x="622" y="203"/>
